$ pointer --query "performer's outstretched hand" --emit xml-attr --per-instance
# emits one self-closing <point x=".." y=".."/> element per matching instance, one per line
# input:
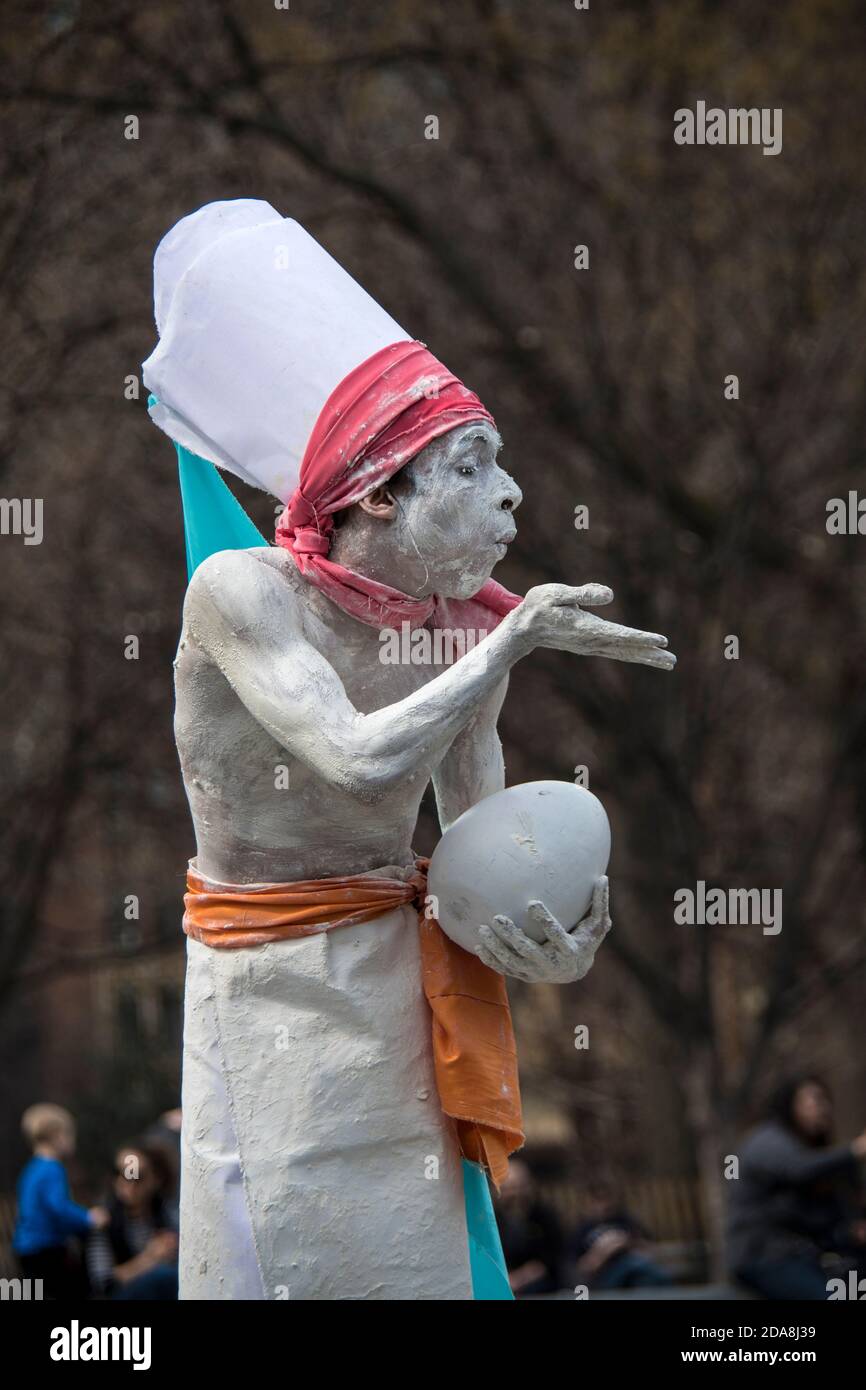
<point x="563" y="957"/>
<point x="555" y="616"/>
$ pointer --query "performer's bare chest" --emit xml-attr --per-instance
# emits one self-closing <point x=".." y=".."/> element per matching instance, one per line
<point x="259" y="809"/>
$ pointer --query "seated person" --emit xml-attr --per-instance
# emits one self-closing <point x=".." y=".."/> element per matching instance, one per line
<point x="136" y="1256"/>
<point x="530" y="1234"/>
<point x="609" y="1246"/>
<point x="795" y="1211"/>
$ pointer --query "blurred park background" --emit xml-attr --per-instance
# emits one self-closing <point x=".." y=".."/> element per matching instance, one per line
<point x="706" y="515"/>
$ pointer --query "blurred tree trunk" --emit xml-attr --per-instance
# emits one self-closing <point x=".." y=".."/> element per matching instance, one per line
<point x="703" y="1118"/>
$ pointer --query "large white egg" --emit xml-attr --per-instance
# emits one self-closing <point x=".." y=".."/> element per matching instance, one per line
<point x="537" y="840"/>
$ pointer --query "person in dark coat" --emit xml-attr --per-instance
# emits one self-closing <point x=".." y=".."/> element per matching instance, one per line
<point x="530" y="1233"/>
<point x="610" y="1248"/>
<point x="795" y="1212"/>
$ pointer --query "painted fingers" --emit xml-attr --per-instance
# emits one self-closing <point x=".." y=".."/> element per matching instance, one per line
<point x="562" y="957"/>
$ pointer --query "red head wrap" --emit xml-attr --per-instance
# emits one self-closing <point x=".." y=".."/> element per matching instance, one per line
<point x="379" y="417"/>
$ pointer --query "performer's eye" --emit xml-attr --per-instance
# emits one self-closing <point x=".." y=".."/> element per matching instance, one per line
<point x="466" y="470"/>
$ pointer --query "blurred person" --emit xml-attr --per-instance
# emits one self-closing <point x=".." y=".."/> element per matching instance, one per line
<point x="135" y="1257"/>
<point x="794" y="1210"/>
<point x="163" y="1138"/>
<point x="608" y="1246"/>
<point x="47" y="1215"/>
<point x="530" y="1233"/>
<point x="171" y="1122"/>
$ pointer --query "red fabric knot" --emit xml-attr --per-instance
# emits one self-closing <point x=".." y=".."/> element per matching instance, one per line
<point x="377" y="419"/>
<point x="307" y="541"/>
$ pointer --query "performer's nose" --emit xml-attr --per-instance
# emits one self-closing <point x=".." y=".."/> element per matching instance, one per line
<point x="513" y="496"/>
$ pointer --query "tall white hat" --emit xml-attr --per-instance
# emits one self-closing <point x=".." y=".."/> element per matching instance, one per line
<point x="257" y="325"/>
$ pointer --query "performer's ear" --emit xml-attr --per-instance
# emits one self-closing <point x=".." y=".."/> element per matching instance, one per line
<point x="380" y="502"/>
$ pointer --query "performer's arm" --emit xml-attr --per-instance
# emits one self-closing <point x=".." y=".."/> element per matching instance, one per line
<point x="235" y="604"/>
<point x="473" y="767"/>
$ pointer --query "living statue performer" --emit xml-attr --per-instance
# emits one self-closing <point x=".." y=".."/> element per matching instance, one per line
<point x="349" y="1075"/>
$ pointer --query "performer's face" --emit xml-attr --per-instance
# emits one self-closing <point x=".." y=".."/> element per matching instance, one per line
<point x="455" y="510"/>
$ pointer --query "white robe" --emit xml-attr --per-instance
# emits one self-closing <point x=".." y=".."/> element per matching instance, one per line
<point x="316" y="1162"/>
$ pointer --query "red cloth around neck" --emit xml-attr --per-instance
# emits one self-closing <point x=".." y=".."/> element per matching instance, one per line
<point x="379" y="417"/>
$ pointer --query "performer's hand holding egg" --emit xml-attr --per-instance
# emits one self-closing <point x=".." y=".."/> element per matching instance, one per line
<point x="515" y="871"/>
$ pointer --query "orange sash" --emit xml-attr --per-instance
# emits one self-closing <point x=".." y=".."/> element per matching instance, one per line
<point x="474" y="1053"/>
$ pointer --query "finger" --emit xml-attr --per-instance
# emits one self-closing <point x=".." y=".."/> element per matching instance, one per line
<point x="618" y="633"/>
<point x="516" y="940"/>
<point x="601" y="900"/>
<point x="496" y="948"/>
<point x="487" y="958"/>
<point x="640" y="656"/>
<point x="592" y="595"/>
<point x="579" y="595"/>
<point x="497" y="957"/>
<point x="595" y="927"/>
<point x="501" y="967"/>
<point x="555" y="932"/>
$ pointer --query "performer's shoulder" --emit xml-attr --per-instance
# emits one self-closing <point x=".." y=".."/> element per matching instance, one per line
<point x="234" y="578"/>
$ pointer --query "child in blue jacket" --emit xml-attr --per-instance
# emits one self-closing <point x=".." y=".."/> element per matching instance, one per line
<point x="47" y="1216"/>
